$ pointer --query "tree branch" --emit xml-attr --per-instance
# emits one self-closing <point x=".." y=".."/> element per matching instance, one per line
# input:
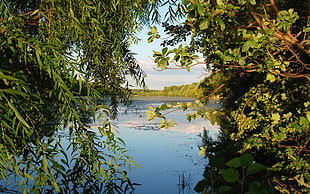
<point x="274" y="6"/>
<point x="277" y="33"/>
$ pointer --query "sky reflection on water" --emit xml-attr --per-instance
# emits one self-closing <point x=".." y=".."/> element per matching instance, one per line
<point x="167" y="156"/>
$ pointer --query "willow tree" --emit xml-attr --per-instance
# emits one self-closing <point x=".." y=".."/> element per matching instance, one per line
<point x="258" y="54"/>
<point x="51" y="50"/>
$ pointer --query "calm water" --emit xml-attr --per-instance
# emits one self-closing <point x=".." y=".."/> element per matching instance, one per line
<point x="168" y="157"/>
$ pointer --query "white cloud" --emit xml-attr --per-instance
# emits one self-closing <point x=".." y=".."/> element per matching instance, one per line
<point x="155" y="81"/>
<point x="146" y="65"/>
<point x="160" y="79"/>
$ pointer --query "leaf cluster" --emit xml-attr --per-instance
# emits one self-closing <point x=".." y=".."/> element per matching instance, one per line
<point x="53" y="53"/>
<point x="258" y="54"/>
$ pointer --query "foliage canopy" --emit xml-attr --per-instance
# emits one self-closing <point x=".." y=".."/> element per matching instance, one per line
<point x="258" y="54"/>
<point x="48" y="49"/>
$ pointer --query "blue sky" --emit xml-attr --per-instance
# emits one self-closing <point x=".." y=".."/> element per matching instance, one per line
<point x="160" y="79"/>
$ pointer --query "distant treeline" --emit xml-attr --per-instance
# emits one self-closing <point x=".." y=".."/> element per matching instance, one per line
<point x="191" y="90"/>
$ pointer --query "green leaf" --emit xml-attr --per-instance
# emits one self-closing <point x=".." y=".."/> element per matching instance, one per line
<point x="27" y="176"/>
<point x="255" y="167"/>
<point x="44" y="163"/>
<point x="38" y="55"/>
<point x="217" y="161"/>
<point x="270" y="77"/>
<point x="275" y="117"/>
<point x="253" y="2"/>
<point x="230" y="175"/>
<point x="34" y="12"/>
<point x="227" y="58"/>
<point x="150" y="39"/>
<point x="164" y="50"/>
<point x="201" y="185"/>
<point x="201" y="10"/>
<point x="10" y="141"/>
<point x="235" y="162"/>
<point x="157" y="54"/>
<point x="242" y="2"/>
<point x="7" y="77"/>
<point x="203" y="150"/>
<point x="303" y="122"/>
<point x="204" y="24"/>
<point x="188" y="68"/>
<point x="221" y="22"/>
<point x="177" y="57"/>
<point x="14" y="92"/>
<point x="247" y="45"/>
<point x="246" y="159"/>
<point x="55" y="185"/>
<point x="220" y="2"/>
<point x="308" y="116"/>
<point x="20" y="184"/>
<point x="185" y="2"/>
<point x="224" y="189"/>
<point x="153" y="30"/>
<point x="254" y="187"/>
<point x="241" y="61"/>
<point x="306" y="29"/>
<point x="18" y="115"/>
<point x="163" y="63"/>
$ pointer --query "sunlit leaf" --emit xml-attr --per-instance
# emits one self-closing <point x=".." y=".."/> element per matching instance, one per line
<point x="270" y="77"/>
<point x="154" y="30"/>
<point x="26" y="175"/>
<point x="150" y="39"/>
<point x="204" y="24"/>
<point x="303" y="122"/>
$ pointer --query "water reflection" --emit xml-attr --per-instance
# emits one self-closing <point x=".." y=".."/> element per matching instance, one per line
<point x="168" y="157"/>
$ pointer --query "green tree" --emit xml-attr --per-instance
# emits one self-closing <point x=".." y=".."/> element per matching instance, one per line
<point x="258" y="54"/>
<point x="47" y="49"/>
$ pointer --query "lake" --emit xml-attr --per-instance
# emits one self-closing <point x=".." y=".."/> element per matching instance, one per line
<point x="168" y="158"/>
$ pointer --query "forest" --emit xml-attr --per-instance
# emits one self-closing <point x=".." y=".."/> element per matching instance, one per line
<point x="52" y="53"/>
<point x="257" y="52"/>
<point x="190" y="90"/>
